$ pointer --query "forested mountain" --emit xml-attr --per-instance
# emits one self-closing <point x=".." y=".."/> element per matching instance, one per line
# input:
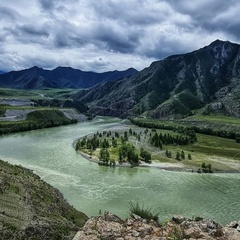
<point x="61" y="77"/>
<point x="173" y="87"/>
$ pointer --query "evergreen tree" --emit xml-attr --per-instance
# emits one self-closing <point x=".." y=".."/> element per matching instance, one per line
<point x="182" y="155"/>
<point x="145" y="155"/>
<point x="178" y="156"/>
<point x="104" y="156"/>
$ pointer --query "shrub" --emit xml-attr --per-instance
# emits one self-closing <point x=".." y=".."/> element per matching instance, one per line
<point x="143" y="212"/>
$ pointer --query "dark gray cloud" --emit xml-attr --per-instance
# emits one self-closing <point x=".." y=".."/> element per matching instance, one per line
<point x="110" y="34"/>
<point x="33" y="30"/>
<point x="47" y="5"/>
<point x="214" y="15"/>
<point x="8" y="14"/>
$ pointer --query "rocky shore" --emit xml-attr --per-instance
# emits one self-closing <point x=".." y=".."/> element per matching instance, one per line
<point x="111" y="227"/>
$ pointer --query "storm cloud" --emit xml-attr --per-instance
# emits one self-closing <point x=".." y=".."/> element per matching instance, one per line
<point x="109" y="34"/>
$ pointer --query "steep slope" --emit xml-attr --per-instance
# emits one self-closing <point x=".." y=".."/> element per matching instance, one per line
<point x="174" y="86"/>
<point x="32" y="209"/>
<point x="61" y="77"/>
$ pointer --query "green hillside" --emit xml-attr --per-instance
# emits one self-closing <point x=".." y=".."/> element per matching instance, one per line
<point x="32" y="209"/>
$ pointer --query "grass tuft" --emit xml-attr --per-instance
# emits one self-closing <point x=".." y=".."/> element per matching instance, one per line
<point x="143" y="212"/>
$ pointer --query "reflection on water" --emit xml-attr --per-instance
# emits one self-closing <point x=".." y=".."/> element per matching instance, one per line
<point x="91" y="188"/>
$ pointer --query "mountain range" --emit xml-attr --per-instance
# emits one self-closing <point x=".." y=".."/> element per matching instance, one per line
<point x="61" y="77"/>
<point x="207" y="79"/>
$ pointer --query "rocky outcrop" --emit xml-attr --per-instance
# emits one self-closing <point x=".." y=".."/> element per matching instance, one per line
<point x="110" y="227"/>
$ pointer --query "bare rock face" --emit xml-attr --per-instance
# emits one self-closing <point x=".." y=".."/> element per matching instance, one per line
<point x="110" y="227"/>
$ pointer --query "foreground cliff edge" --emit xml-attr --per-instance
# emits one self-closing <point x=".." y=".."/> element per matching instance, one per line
<point x="110" y="226"/>
<point x="32" y="209"/>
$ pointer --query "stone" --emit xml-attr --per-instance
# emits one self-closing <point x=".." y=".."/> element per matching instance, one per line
<point x="178" y="219"/>
<point x="135" y="233"/>
<point x="135" y="216"/>
<point x="112" y="217"/>
<point x="197" y="219"/>
<point x="233" y="224"/>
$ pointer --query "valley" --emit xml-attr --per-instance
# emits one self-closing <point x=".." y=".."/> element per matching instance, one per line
<point x="147" y="135"/>
<point x="90" y="188"/>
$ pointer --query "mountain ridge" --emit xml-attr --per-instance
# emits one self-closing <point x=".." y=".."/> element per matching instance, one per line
<point x="208" y="77"/>
<point x="60" y="77"/>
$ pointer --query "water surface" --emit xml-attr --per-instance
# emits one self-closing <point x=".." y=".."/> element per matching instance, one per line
<point x="91" y="188"/>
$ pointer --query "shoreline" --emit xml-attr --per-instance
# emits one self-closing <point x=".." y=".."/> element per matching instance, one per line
<point x="161" y="166"/>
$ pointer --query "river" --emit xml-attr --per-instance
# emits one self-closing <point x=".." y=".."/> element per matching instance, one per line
<point x="92" y="188"/>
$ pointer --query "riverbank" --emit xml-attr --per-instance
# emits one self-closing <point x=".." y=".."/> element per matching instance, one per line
<point x="162" y="166"/>
<point x="179" y="167"/>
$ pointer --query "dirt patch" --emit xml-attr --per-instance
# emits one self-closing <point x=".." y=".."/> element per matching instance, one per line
<point x="15" y="115"/>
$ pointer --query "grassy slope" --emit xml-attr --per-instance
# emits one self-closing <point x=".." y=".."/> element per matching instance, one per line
<point x="42" y="116"/>
<point x="31" y="207"/>
<point x="36" y="120"/>
<point x="222" y="153"/>
<point x="37" y="94"/>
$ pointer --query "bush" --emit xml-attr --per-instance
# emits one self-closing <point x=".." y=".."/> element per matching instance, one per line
<point x="143" y="212"/>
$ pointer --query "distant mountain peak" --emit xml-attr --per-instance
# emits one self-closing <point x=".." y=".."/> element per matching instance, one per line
<point x="217" y="41"/>
<point x="60" y="77"/>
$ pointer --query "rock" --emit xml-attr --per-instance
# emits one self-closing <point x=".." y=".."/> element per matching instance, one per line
<point x="178" y="219"/>
<point x="197" y="219"/>
<point x="136" y="228"/>
<point x="111" y="217"/>
<point x="135" y="233"/>
<point x="233" y="224"/>
<point x="135" y="216"/>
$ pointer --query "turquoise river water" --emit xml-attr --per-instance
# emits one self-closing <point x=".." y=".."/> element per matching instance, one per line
<point x="91" y="188"/>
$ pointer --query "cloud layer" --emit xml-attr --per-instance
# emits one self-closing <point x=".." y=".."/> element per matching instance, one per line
<point x="109" y="34"/>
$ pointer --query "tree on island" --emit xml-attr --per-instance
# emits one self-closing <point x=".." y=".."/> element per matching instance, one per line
<point x="127" y="153"/>
<point x="145" y="155"/>
<point x="178" y="156"/>
<point x="104" y="156"/>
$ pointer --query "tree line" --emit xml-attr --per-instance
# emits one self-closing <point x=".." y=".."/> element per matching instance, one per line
<point x="6" y="128"/>
<point x="158" y="140"/>
<point x="188" y="130"/>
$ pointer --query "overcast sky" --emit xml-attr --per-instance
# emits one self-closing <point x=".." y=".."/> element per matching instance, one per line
<point x="102" y="35"/>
